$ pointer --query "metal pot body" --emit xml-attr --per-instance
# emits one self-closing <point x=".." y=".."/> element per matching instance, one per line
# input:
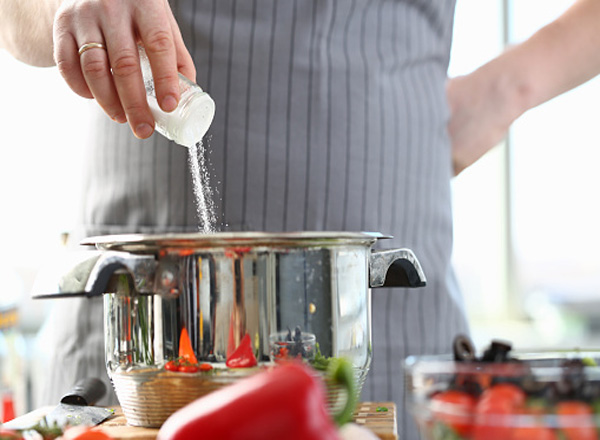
<point x="163" y="293"/>
<point x="221" y="294"/>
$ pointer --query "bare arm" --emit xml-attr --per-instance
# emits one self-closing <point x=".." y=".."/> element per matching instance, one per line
<point x="557" y="58"/>
<point x="26" y="30"/>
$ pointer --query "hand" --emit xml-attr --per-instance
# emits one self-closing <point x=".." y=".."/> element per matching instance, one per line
<point x="478" y="118"/>
<point x="113" y="76"/>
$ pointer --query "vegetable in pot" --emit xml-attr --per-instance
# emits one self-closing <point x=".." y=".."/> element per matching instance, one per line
<point x="243" y="355"/>
<point x="182" y="365"/>
<point x="286" y="402"/>
<point x="185" y="347"/>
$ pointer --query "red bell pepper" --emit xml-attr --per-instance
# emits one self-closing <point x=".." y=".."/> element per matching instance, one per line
<point x="185" y="347"/>
<point x="286" y="402"/>
<point x="243" y="355"/>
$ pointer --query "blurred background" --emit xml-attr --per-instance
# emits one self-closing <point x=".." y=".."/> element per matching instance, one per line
<point x="526" y="235"/>
<point x="526" y="220"/>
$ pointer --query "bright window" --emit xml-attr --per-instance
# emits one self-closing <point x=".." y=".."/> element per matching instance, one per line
<point x="527" y="222"/>
<point x="43" y="127"/>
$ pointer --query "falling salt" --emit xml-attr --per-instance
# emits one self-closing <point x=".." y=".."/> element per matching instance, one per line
<point x="205" y="208"/>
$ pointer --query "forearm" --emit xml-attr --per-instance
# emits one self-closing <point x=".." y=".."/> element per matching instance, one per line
<point x="557" y="58"/>
<point x="26" y="29"/>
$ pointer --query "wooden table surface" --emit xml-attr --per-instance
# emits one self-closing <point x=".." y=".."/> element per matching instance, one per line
<point x="382" y="423"/>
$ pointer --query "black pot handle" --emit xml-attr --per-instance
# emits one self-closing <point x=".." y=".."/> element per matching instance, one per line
<point x="395" y="268"/>
<point x="91" y="275"/>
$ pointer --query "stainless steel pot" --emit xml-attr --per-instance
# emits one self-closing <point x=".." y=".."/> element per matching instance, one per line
<point x="312" y="287"/>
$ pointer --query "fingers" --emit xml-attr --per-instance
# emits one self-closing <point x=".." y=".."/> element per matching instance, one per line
<point x="156" y="35"/>
<point x="96" y="72"/>
<point x="185" y="64"/>
<point x="113" y="76"/>
<point x="65" y="56"/>
<point x="89" y="74"/>
<point x="127" y="78"/>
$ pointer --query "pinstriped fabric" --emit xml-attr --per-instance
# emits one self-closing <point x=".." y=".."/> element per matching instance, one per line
<point x="369" y="141"/>
<point x="269" y="171"/>
<point x="328" y="114"/>
<point x="331" y="115"/>
<point x="248" y="86"/>
<point x="349" y="105"/>
<point x="307" y="212"/>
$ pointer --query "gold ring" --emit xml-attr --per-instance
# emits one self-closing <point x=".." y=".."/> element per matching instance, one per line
<point x="88" y="46"/>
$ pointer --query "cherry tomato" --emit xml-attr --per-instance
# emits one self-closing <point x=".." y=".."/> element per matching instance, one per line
<point x="494" y="414"/>
<point x="187" y="368"/>
<point x="205" y="367"/>
<point x="575" y="420"/>
<point x="85" y="433"/>
<point x="282" y="354"/>
<point x="7" y="434"/>
<point x="238" y="251"/>
<point x="533" y="433"/>
<point x="514" y="395"/>
<point x="455" y="409"/>
<point x="171" y="366"/>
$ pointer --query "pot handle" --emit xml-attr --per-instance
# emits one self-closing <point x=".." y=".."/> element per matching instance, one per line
<point x="91" y="272"/>
<point x="395" y="268"/>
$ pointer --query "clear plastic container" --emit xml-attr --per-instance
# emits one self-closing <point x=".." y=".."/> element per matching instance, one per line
<point x="189" y="122"/>
<point x="561" y="392"/>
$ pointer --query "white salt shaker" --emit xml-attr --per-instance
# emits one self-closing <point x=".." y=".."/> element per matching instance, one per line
<point x="189" y="122"/>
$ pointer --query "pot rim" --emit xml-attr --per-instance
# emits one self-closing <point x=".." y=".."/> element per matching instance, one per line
<point x="149" y="242"/>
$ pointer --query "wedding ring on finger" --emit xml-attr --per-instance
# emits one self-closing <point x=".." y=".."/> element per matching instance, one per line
<point x="87" y="46"/>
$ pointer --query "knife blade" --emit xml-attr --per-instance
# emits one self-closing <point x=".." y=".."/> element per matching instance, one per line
<point x="75" y="408"/>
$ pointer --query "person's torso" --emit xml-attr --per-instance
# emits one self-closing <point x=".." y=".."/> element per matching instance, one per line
<point x="330" y="115"/>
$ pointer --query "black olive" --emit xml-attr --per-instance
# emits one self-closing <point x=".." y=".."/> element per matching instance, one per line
<point x="532" y="386"/>
<point x="573" y="383"/>
<point x="497" y="352"/>
<point x="463" y="348"/>
<point x="298" y="334"/>
<point x="593" y="390"/>
<point x="296" y="349"/>
<point x="467" y="383"/>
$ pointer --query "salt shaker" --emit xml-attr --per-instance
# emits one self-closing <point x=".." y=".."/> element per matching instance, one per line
<point x="189" y="122"/>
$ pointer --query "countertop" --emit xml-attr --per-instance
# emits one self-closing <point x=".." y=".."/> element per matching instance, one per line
<point x="382" y="423"/>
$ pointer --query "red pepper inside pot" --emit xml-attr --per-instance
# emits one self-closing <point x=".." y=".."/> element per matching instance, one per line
<point x="285" y="402"/>
<point x="243" y="355"/>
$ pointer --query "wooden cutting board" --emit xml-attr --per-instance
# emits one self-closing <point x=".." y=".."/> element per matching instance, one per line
<point x="381" y="423"/>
